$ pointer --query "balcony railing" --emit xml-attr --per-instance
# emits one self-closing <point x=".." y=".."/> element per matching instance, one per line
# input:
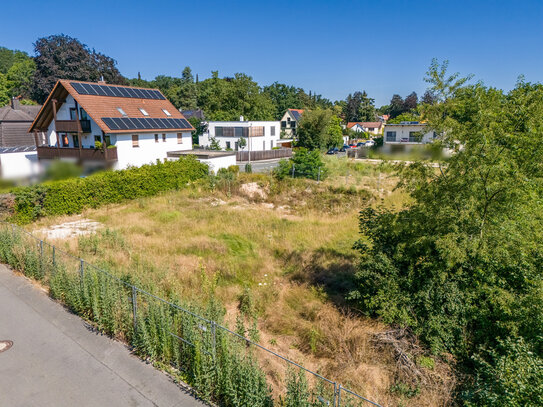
<point x="70" y="126"/>
<point x="86" y="154"/>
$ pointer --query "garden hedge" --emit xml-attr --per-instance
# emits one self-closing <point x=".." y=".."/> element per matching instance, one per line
<point x="73" y="195"/>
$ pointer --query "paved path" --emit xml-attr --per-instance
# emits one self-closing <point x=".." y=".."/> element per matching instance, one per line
<point x="261" y="165"/>
<point x="56" y="360"/>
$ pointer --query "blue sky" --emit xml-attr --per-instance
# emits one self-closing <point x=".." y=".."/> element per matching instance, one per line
<point x="330" y="47"/>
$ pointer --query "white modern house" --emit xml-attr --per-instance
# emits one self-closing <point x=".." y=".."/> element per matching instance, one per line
<point x="113" y="126"/>
<point x="408" y="133"/>
<point x="373" y="128"/>
<point x="256" y="135"/>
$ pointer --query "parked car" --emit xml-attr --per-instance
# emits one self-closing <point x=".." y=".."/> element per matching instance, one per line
<point x="361" y="144"/>
<point x="344" y="148"/>
<point x="334" y="150"/>
<point x="370" y="143"/>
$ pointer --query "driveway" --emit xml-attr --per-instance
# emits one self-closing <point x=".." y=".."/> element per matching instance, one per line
<point x="57" y="360"/>
<point x="260" y="166"/>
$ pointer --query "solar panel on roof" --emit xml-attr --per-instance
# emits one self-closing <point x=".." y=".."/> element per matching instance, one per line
<point x="89" y="89"/>
<point x="126" y="123"/>
<point x="100" y="90"/>
<point x="79" y="89"/>
<point x="115" y="90"/>
<point x="108" y="90"/>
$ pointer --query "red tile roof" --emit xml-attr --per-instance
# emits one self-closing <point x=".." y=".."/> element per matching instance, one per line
<point x="371" y="125"/>
<point x="98" y="107"/>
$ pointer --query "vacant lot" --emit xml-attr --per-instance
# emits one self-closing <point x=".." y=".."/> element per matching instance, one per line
<point x="282" y="252"/>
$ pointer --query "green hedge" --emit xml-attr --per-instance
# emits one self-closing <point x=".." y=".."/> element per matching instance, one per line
<point x="73" y="195"/>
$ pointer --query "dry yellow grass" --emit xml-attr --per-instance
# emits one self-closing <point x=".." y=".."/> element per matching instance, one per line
<point x="292" y="250"/>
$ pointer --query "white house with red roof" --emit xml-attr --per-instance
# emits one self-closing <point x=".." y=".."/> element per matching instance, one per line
<point x="96" y="124"/>
<point x="289" y="122"/>
<point x="373" y="128"/>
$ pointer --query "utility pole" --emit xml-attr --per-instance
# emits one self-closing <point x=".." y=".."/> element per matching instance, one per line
<point x="249" y="141"/>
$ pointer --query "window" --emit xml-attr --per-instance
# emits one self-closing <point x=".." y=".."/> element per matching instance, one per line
<point x="72" y="113"/>
<point x="121" y="111"/>
<point x="257" y="131"/>
<point x="273" y="130"/>
<point x="143" y="111"/>
<point x="76" y="140"/>
<point x="98" y="139"/>
<point x="238" y="132"/>
<point x="163" y="137"/>
<point x="228" y="131"/>
<point x="218" y="131"/>
<point x="156" y="138"/>
<point x="283" y="124"/>
<point x="166" y="112"/>
<point x="107" y="140"/>
<point x="135" y="140"/>
<point x="227" y="144"/>
<point x="65" y="141"/>
<point x="83" y="115"/>
<point x="391" y="136"/>
<point x="179" y="138"/>
<point x="293" y="125"/>
<point x="414" y="136"/>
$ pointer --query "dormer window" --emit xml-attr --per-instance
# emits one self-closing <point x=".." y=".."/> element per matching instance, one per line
<point x="166" y="112"/>
<point x="121" y="111"/>
<point x="143" y="112"/>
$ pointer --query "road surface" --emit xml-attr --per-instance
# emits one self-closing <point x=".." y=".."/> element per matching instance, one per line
<point x="57" y="360"/>
<point x="260" y="166"/>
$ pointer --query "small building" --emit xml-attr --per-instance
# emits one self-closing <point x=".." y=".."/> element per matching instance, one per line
<point x="113" y="126"/>
<point x="189" y="114"/>
<point x="242" y="135"/>
<point x="18" y="157"/>
<point x="408" y="133"/>
<point x="373" y="128"/>
<point x="214" y="159"/>
<point x="289" y="122"/>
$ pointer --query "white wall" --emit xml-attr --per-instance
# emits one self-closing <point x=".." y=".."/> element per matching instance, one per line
<point x="403" y="130"/>
<point x="19" y="165"/>
<point x="149" y="151"/>
<point x="267" y="142"/>
<point x="216" y="163"/>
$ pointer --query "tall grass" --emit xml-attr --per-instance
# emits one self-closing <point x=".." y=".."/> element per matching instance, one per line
<point x="187" y="338"/>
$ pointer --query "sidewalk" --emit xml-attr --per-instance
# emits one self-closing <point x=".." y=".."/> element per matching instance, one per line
<point x="57" y="360"/>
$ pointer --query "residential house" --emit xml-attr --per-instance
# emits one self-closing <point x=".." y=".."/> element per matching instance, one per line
<point x="189" y="114"/>
<point x="257" y="135"/>
<point x="101" y="125"/>
<point x="373" y="128"/>
<point x="289" y="122"/>
<point x="408" y="133"/>
<point x="18" y="157"/>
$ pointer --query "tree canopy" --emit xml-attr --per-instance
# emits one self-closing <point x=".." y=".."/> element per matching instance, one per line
<point x="462" y="265"/>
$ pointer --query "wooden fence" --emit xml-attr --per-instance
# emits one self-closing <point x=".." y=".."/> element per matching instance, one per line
<point x="264" y="155"/>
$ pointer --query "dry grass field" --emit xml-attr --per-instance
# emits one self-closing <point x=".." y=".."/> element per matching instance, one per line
<point x="283" y="250"/>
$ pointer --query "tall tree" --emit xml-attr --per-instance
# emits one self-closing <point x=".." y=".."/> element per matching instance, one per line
<point x="411" y="102"/>
<point x="64" y="57"/>
<point x="284" y="97"/>
<point x="396" y="106"/>
<point x="319" y="129"/>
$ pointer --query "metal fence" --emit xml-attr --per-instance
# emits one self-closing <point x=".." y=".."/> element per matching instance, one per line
<point x="131" y="305"/>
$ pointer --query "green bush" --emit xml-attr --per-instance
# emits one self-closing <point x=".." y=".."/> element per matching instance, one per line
<point x="73" y="195"/>
<point x="303" y="164"/>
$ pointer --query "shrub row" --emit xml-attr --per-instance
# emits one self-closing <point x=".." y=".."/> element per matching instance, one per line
<point x="73" y="195"/>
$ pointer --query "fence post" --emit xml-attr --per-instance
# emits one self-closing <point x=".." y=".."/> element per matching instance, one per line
<point x="319" y="176"/>
<point x="335" y="394"/>
<point x="214" y="339"/>
<point x="81" y="273"/>
<point x="339" y="396"/>
<point x="292" y="170"/>
<point x="41" y="255"/>
<point x="135" y="307"/>
<point x="54" y="257"/>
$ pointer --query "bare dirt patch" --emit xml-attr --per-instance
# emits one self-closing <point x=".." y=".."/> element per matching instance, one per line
<point x="66" y="230"/>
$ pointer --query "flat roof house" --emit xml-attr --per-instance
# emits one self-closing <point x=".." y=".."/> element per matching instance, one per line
<point x="257" y="135"/>
<point x="96" y="124"/>
<point x="408" y="133"/>
<point x="289" y="122"/>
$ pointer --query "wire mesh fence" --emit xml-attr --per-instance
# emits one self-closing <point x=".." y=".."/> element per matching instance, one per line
<point x="220" y="363"/>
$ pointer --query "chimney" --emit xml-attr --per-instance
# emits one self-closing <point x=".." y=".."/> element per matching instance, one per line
<point x="241" y="118"/>
<point x="101" y="81"/>
<point x="15" y="103"/>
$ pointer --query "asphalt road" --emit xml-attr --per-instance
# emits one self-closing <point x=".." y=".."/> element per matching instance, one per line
<point x="260" y="166"/>
<point x="57" y="360"/>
